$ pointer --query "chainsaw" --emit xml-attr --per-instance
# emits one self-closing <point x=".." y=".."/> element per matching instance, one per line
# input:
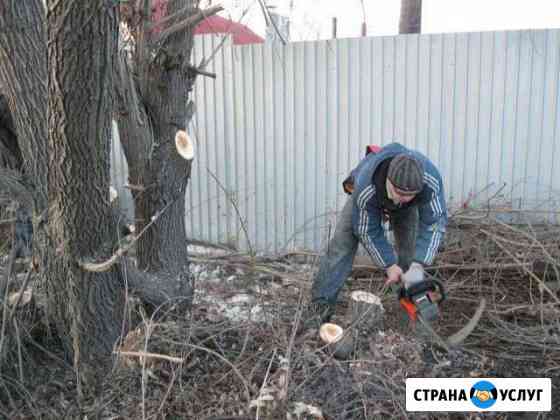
<point x="421" y="302"/>
<point x="422" y="299"/>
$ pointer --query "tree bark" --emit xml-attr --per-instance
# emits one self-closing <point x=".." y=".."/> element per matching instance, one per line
<point x="86" y="307"/>
<point x="152" y="107"/>
<point x="62" y="119"/>
<point x="411" y="17"/>
<point x="10" y="154"/>
<point x="23" y="76"/>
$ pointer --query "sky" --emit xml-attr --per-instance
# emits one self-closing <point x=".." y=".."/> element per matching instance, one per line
<point x="312" y="19"/>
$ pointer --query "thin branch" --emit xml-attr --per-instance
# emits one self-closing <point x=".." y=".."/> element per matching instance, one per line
<point x="235" y="370"/>
<point x="149" y="355"/>
<point x="107" y="264"/>
<point x="9" y="270"/>
<point x="189" y="22"/>
<point x="263" y="385"/>
<point x="529" y="272"/>
<point x="204" y="62"/>
<point x="269" y="21"/>
<point x="236" y="208"/>
<point x="20" y="294"/>
<point x="19" y="347"/>
<point x="4" y="287"/>
<point x="199" y="71"/>
<point x="185" y="10"/>
<point x="166" y="396"/>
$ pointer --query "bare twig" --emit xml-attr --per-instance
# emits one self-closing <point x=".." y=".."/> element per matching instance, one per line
<point x="20" y="293"/>
<point x="167" y="392"/>
<point x="270" y="21"/>
<point x="191" y="21"/>
<point x="4" y="291"/>
<point x="199" y="71"/>
<point x="236" y="208"/>
<point x="529" y="272"/>
<point x="179" y="13"/>
<point x="20" y="358"/>
<point x="108" y="264"/>
<point x="143" y="354"/>
<point x="233" y="367"/>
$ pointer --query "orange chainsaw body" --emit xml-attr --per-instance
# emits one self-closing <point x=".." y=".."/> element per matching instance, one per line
<point x="409" y="307"/>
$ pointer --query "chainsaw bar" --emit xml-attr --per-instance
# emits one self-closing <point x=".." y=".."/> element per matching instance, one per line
<point x="461" y="335"/>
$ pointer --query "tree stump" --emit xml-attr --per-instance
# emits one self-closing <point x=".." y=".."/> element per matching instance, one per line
<point x="366" y="311"/>
<point x="339" y="343"/>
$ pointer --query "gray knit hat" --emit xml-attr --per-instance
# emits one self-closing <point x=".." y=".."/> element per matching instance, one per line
<point x="406" y="173"/>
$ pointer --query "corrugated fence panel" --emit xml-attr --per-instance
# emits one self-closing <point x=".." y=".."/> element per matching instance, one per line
<point x="239" y="140"/>
<point x="549" y="149"/>
<point x="281" y="126"/>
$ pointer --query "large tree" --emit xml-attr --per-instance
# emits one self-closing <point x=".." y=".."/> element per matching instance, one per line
<point x="154" y="79"/>
<point x="64" y="76"/>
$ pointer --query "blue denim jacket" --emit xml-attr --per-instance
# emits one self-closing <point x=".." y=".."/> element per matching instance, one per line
<point x="367" y="214"/>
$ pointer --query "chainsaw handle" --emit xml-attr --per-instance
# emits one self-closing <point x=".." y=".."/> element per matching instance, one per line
<point x="439" y="285"/>
<point x="402" y="292"/>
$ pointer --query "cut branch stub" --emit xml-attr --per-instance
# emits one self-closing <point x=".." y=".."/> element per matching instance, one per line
<point x="339" y="343"/>
<point x="20" y="298"/>
<point x="330" y="333"/>
<point x="184" y="145"/>
<point x="113" y="194"/>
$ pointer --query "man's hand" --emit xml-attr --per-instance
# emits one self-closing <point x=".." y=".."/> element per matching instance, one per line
<point x="394" y="274"/>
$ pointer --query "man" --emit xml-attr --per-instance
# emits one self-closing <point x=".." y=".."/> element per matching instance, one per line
<point x="397" y="185"/>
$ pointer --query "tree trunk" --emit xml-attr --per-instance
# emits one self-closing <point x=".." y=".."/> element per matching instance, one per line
<point x="61" y="118"/>
<point x="23" y="106"/>
<point x="87" y="307"/>
<point x="151" y="109"/>
<point x="411" y="17"/>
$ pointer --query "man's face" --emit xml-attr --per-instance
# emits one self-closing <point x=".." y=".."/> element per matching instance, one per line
<point x="398" y="196"/>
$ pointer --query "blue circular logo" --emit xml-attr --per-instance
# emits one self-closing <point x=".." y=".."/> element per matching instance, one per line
<point x="483" y="394"/>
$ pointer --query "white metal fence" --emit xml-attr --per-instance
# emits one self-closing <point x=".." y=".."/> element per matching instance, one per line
<point x="281" y="126"/>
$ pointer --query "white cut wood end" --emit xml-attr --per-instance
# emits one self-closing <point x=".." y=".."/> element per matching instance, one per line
<point x="113" y="194"/>
<point x="184" y="145"/>
<point x="330" y="333"/>
<point x="367" y="297"/>
<point x="24" y="300"/>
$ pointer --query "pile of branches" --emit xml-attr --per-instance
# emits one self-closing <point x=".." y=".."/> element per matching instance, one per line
<point x="516" y="268"/>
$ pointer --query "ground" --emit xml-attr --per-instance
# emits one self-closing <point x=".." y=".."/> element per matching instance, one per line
<point x="235" y="354"/>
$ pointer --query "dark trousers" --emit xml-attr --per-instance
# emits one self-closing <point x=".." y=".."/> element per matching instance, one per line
<point x="336" y="265"/>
